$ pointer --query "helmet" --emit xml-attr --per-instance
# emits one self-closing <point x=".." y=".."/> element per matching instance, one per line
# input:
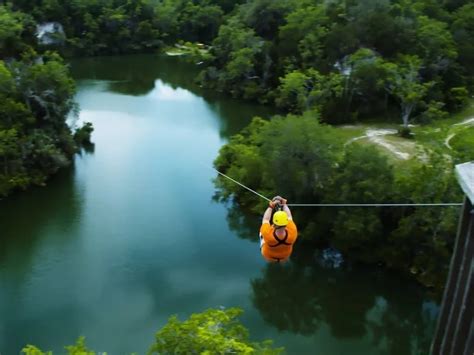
<point x="280" y="218"/>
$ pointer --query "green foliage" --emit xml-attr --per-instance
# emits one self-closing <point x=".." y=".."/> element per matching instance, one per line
<point x="211" y="332"/>
<point x="12" y="26"/>
<point x="242" y="53"/>
<point x="128" y="26"/>
<point x="459" y="96"/>
<point x="415" y="57"/>
<point x="214" y="331"/>
<point x="82" y="136"/>
<point x="405" y="132"/>
<point x="293" y="155"/>
<point x="264" y="16"/>
<point x="79" y="348"/>
<point x="463" y="31"/>
<point x="305" y="161"/>
<point x="47" y="88"/>
<point x="364" y="82"/>
<point x="300" y="92"/>
<point x="37" y="95"/>
<point x="420" y="51"/>
<point x="294" y="91"/>
<point x="405" y="84"/>
<point x="423" y="238"/>
<point x="301" y="38"/>
<point x="33" y="350"/>
<point x="433" y="112"/>
<point x="462" y="143"/>
<point x="362" y="176"/>
<point x="435" y="44"/>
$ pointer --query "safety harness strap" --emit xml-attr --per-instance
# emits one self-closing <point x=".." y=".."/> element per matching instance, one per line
<point x="279" y="241"/>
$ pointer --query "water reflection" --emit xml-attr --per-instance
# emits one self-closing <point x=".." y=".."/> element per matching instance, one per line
<point x="55" y="208"/>
<point x="358" y="304"/>
<point x="244" y="224"/>
<point x="284" y="295"/>
<point x="88" y="148"/>
<point x="37" y="226"/>
<point x="137" y="76"/>
<point x="165" y="92"/>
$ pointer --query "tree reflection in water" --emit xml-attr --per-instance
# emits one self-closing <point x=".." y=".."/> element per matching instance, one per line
<point x="245" y="225"/>
<point x="301" y="297"/>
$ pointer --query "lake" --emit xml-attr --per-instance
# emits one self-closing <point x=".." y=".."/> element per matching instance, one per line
<point x="131" y="234"/>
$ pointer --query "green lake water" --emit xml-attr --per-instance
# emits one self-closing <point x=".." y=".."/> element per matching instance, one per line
<point x="131" y="235"/>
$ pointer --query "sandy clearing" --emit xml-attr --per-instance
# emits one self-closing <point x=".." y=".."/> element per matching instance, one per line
<point x="376" y="135"/>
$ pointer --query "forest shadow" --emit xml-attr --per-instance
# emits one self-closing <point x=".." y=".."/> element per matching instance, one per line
<point x="358" y="302"/>
<point x="27" y="215"/>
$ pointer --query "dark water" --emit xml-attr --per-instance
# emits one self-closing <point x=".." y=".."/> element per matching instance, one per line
<point x="130" y="235"/>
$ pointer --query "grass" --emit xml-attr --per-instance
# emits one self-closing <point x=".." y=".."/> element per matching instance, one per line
<point x="463" y="143"/>
<point x="349" y="132"/>
<point x="436" y="134"/>
<point x="427" y="137"/>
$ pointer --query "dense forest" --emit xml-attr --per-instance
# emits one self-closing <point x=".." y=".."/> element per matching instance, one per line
<point x="308" y="162"/>
<point x="36" y="95"/>
<point x="319" y="62"/>
<point x="351" y="60"/>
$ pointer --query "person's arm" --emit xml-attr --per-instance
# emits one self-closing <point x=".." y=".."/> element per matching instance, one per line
<point x="267" y="215"/>
<point x="268" y="212"/>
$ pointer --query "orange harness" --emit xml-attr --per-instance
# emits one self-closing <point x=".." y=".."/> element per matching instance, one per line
<point x="275" y="248"/>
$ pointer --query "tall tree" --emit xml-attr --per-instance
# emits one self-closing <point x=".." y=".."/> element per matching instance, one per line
<point x="404" y="83"/>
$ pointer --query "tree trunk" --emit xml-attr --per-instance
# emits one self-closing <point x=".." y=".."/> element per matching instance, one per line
<point x="406" y="112"/>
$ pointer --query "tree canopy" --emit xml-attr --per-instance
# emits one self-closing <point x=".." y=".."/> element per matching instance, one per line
<point x="214" y="331"/>
<point x="307" y="162"/>
<point x="302" y="42"/>
<point x="263" y="49"/>
<point x="37" y="93"/>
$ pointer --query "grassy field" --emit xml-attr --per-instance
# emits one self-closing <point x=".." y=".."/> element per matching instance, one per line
<point x="453" y="136"/>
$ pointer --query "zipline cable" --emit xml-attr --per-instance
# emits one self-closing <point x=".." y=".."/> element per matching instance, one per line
<point x="343" y="204"/>
<point x="371" y="204"/>
<point x="238" y="183"/>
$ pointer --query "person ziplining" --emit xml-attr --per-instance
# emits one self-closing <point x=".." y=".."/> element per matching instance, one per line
<point x="277" y="239"/>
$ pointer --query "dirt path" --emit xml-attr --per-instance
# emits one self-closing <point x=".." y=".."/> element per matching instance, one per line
<point x="377" y="136"/>
<point x="468" y="122"/>
<point x="448" y="138"/>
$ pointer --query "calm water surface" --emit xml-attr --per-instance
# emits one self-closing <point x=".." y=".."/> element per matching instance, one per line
<point x="130" y="235"/>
